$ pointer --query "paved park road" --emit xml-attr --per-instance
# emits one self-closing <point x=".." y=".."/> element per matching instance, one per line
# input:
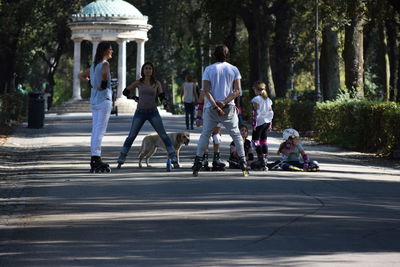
<point x="55" y="213"/>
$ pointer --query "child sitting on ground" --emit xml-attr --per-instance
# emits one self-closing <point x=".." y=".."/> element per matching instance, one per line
<point x="291" y="150"/>
<point x="234" y="157"/>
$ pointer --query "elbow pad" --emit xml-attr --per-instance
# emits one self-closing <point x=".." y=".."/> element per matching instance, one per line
<point x="104" y="84"/>
<point x="126" y="92"/>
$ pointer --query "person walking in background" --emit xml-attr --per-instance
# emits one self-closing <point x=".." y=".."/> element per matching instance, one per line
<point x="149" y="89"/>
<point x="221" y="86"/>
<point x="262" y="123"/>
<point x="100" y="102"/>
<point x="189" y="94"/>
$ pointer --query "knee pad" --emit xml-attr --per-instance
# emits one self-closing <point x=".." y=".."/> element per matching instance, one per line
<point x="217" y="139"/>
<point x="263" y="142"/>
<point x="256" y="143"/>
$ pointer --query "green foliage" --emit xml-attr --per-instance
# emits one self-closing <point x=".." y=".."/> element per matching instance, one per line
<point x="290" y="113"/>
<point x="369" y="126"/>
<point x="362" y="125"/>
<point x="63" y="79"/>
<point x="13" y="107"/>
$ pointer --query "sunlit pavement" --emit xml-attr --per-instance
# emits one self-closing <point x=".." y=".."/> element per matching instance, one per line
<point x="55" y="213"/>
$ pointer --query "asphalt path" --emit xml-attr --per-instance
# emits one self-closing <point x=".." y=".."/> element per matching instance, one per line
<point x="55" y="213"/>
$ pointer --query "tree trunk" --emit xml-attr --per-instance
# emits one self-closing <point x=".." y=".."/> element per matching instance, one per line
<point x="257" y="25"/>
<point x="329" y="62"/>
<point x="283" y="67"/>
<point x="394" y="55"/>
<point x="353" y="49"/>
<point x="269" y="79"/>
<point x="382" y="73"/>
<point x="8" y="69"/>
<point x="254" y="43"/>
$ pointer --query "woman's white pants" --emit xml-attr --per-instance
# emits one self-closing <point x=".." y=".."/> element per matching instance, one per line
<point x="100" y="116"/>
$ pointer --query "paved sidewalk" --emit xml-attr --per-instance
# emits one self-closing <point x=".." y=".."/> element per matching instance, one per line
<point x="55" y="213"/>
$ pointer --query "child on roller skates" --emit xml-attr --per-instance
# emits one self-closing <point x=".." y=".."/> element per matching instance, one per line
<point x="262" y="123"/>
<point x="234" y="157"/>
<point x="291" y="150"/>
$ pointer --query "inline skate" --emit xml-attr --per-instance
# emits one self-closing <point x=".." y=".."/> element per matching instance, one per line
<point x="97" y="165"/>
<point x="259" y="164"/>
<point x="174" y="160"/>
<point x="217" y="164"/>
<point x="121" y="159"/>
<point x="243" y="167"/>
<point x="197" y="164"/>
<point x="205" y="166"/>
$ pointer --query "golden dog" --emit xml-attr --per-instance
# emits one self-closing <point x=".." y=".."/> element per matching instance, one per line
<point x="153" y="141"/>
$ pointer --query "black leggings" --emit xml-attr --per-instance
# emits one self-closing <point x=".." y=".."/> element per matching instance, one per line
<point x="189" y="112"/>
<point x="260" y="134"/>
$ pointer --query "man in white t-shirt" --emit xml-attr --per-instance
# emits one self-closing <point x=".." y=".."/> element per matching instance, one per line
<point x="221" y="82"/>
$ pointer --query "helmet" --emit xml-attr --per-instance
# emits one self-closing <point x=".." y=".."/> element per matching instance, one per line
<point x="290" y="133"/>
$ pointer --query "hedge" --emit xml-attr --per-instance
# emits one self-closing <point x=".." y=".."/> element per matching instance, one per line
<point x="367" y="126"/>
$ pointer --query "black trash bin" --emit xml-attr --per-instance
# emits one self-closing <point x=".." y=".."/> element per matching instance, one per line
<point x="35" y="109"/>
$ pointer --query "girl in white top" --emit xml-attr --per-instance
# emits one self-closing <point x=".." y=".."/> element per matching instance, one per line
<point x="188" y="91"/>
<point x="262" y="123"/>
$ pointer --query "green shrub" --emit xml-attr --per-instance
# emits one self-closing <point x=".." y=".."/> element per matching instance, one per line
<point x="369" y="126"/>
<point x="290" y="113"/>
<point x="13" y="107"/>
<point x="362" y="125"/>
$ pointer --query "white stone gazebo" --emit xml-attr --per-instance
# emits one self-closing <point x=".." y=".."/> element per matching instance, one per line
<point x="109" y="20"/>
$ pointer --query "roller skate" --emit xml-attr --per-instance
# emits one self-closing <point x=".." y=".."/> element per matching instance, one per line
<point x="243" y="167"/>
<point x="311" y="166"/>
<point x="97" y="165"/>
<point x="121" y="159"/>
<point x="217" y="164"/>
<point x="174" y="160"/>
<point x="205" y="166"/>
<point x="276" y="165"/>
<point x="169" y="166"/>
<point x="259" y="165"/>
<point x="233" y="164"/>
<point x="197" y="164"/>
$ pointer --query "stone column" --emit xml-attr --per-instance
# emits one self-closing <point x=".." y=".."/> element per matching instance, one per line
<point x="121" y="67"/>
<point x="76" y="91"/>
<point x="139" y="57"/>
<point x="95" y="44"/>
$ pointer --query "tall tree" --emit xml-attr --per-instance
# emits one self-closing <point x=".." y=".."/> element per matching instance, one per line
<point x="329" y="63"/>
<point x="393" y="33"/>
<point x="353" y="48"/>
<point x="33" y="28"/>
<point x="284" y="11"/>
<point x="256" y="15"/>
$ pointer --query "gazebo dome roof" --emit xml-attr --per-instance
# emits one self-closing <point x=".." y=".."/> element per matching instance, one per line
<point x="110" y="8"/>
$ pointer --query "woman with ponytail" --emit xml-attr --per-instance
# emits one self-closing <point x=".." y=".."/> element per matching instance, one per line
<point x="262" y="123"/>
<point x="100" y="102"/>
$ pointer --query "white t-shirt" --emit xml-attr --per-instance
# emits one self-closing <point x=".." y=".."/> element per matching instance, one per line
<point x="221" y="76"/>
<point x="264" y="114"/>
<point x="188" y="96"/>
